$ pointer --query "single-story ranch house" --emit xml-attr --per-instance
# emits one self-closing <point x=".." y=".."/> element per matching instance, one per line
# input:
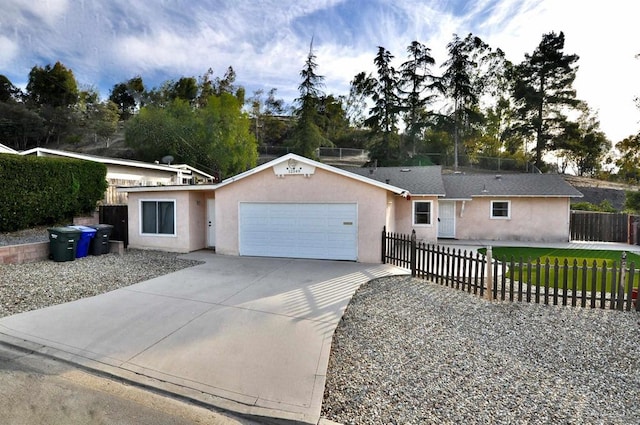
<point x="299" y="208"/>
<point x="125" y="172"/>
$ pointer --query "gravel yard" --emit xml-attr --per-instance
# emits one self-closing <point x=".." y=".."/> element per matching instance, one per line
<point x="411" y="352"/>
<point x="30" y="286"/>
<point x="36" y="234"/>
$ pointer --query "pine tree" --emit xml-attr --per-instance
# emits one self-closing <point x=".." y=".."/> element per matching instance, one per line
<point x="543" y="92"/>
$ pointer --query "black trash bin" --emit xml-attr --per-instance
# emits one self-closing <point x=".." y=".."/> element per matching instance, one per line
<point x="100" y="242"/>
<point x="63" y="243"/>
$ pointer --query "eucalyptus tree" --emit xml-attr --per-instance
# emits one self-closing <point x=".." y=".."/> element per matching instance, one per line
<point x="185" y="88"/>
<point x="8" y="92"/>
<point x="52" y="91"/>
<point x="417" y="85"/>
<point x="266" y="112"/>
<point x="128" y="96"/>
<point x="53" y="86"/>
<point x="544" y="93"/>
<point x="627" y="162"/>
<point x="582" y="144"/>
<point x="462" y="81"/>
<point x="20" y="127"/>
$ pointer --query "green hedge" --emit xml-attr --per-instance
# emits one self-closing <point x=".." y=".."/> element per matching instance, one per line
<point x="40" y="191"/>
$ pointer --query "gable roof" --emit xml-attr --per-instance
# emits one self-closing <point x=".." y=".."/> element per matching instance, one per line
<point x="114" y="161"/>
<point x="422" y="180"/>
<point x="291" y="156"/>
<point x="6" y="149"/>
<point x="467" y="186"/>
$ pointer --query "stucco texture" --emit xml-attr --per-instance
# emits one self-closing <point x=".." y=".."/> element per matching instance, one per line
<point x="190" y="222"/>
<point x="321" y="187"/>
<point x="532" y="219"/>
<point x="404" y="218"/>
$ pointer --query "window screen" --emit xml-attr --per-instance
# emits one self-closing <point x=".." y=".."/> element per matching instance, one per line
<point x="158" y="217"/>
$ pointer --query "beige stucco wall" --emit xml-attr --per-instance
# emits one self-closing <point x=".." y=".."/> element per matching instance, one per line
<point x="190" y="222"/>
<point x="321" y="187"/>
<point x="404" y="218"/>
<point x="532" y="219"/>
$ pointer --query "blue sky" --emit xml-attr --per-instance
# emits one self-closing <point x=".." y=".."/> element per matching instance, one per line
<point x="107" y="42"/>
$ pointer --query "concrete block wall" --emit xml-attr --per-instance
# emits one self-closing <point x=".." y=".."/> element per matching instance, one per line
<point x="39" y="251"/>
<point x="25" y="253"/>
<point x="87" y="220"/>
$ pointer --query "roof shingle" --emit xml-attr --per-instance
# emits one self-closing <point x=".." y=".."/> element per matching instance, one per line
<point x="466" y="186"/>
<point x="425" y="180"/>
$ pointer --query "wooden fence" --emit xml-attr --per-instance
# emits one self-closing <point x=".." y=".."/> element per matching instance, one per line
<point x="603" y="227"/>
<point x="517" y="280"/>
<point x="117" y="216"/>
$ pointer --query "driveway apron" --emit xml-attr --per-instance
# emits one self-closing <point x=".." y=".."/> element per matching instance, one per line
<point x="249" y="335"/>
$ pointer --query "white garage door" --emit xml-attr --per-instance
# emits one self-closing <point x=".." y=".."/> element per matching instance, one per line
<point x="321" y="231"/>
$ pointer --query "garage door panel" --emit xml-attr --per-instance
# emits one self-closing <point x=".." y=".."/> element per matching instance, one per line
<point x="322" y="231"/>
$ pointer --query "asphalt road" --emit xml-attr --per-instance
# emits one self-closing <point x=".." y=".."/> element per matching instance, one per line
<point x="39" y="390"/>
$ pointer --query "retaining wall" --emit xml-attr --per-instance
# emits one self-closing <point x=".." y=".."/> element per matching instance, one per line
<point x="39" y="251"/>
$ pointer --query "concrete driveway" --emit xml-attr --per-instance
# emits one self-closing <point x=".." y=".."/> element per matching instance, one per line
<point x="249" y="335"/>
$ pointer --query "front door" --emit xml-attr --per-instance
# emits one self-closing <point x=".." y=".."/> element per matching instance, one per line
<point x="211" y="223"/>
<point x="446" y="219"/>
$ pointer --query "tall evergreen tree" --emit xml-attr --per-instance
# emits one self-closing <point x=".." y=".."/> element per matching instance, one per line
<point x="544" y="92"/>
<point x="307" y="137"/>
<point x="461" y="81"/>
<point x="384" y="115"/>
<point x="416" y="81"/>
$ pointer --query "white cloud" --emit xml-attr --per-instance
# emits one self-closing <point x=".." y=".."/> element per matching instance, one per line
<point x="8" y="52"/>
<point x="266" y="42"/>
<point x="48" y="11"/>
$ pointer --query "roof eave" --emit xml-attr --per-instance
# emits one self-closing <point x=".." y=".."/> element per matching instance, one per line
<point x="170" y="188"/>
<point x="102" y="160"/>
<point x="489" y="195"/>
<point x="325" y="167"/>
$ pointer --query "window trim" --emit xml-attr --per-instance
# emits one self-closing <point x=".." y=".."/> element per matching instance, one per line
<point x="500" y="217"/>
<point x="413" y="213"/>
<point x="156" y="200"/>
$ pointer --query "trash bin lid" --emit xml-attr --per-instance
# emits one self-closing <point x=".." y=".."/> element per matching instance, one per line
<point x="67" y="229"/>
<point x="101" y="226"/>
<point x="84" y="229"/>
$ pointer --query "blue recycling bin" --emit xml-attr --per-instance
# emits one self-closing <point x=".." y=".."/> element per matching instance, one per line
<point x="86" y="234"/>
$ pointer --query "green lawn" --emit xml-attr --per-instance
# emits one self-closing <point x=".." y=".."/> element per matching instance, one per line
<point x="601" y="257"/>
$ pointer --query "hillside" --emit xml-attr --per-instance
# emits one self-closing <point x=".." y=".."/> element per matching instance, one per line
<point x="116" y="147"/>
<point x="595" y="191"/>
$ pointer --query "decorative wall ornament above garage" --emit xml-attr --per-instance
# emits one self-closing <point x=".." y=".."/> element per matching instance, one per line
<point x="293" y="167"/>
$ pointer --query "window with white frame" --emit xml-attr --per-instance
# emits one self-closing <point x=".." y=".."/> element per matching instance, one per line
<point x="501" y="209"/>
<point x="157" y="217"/>
<point x="422" y="213"/>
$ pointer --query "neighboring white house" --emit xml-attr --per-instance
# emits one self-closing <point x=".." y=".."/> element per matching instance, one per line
<point x="124" y="172"/>
<point x="299" y="208"/>
<point x="6" y="149"/>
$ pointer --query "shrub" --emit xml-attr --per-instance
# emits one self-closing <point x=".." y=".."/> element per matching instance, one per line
<point x="604" y="206"/>
<point x="40" y="191"/>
